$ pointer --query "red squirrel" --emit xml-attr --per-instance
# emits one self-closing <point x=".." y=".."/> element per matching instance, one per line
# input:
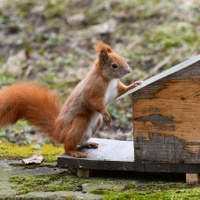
<point x="75" y="122"/>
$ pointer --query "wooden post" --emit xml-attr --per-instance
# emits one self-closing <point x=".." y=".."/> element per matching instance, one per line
<point x="84" y="173"/>
<point x="192" y="178"/>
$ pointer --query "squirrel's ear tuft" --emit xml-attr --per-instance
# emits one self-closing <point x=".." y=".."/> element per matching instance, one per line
<point x="102" y="46"/>
<point x="103" y="50"/>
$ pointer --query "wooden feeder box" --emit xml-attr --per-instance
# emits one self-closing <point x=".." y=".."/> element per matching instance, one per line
<point x="166" y="128"/>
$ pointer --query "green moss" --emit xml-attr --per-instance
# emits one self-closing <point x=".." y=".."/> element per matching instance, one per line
<point x="109" y="189"/>
<point x="65" y="181"/>
<point x="69" y="197"/>
<point x="55" y="182"/>
<point x="51" y="152"/>
<point x="192" y="194"/>
<point x="15" y="151"/>
<point x="129" y="186"/>
<point x="151" y="191"/>
<point x="100" y="192"/>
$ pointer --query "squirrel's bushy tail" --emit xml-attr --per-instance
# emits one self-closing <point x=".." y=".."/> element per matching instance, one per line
<point x="34" y="103"/>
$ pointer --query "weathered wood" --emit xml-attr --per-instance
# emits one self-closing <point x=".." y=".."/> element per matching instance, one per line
<point x="122" y="152"/>
<point x="192" y="178"/>
<point x="166" y="116"/>
<point x="84" y="173"/>
<point x="109" y="150"/>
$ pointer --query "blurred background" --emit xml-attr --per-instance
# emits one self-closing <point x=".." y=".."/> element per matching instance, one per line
<point x="51" y="43"/>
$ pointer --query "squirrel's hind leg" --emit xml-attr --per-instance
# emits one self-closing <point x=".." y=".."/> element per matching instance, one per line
<point x="90" y="144"/>
<point x="70" y="149"/>
<point x="74" y="135"/>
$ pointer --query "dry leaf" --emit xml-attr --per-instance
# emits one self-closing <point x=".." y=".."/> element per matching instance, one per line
<point x="33" y="160"/>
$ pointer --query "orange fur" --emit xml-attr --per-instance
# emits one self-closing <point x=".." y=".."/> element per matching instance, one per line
<point x="102" y="46"/>
<point x="34" y="103"/>
<point x="82" y="113"/>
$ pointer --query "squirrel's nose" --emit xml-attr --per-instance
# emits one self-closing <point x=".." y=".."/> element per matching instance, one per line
<point x="128" y="69"/>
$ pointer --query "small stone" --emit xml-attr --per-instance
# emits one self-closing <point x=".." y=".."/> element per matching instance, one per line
<point x="76" y="20"/>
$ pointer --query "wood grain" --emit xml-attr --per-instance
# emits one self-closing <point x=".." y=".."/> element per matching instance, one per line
<point x="166" y="118"/>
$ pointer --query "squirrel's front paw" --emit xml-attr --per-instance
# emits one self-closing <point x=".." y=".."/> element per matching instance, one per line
<point x="136" y="83"/>
<point x="107" y="118"/>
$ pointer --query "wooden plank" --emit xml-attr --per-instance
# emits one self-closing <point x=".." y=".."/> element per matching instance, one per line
<point x="166" y="118"/>
<point x="124" y="162"/>
<point x="111" y="150"/>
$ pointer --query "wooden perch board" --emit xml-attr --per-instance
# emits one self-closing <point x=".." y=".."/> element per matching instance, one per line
<point x="119" y="155"/>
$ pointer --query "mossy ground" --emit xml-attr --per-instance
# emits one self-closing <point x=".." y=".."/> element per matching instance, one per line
<point x="159" y="191"/>
<point x="184" y="194"/>
<point x="45" y="183"/>
<point x="109" y="188"/>
<point x="16" y="151"/>
<point x="108" y="185"/>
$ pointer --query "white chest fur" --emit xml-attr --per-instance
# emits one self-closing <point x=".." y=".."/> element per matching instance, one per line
<point x="111" y="92"/>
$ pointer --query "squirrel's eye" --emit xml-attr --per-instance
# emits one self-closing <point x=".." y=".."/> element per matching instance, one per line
<point x="114" y="66"/>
